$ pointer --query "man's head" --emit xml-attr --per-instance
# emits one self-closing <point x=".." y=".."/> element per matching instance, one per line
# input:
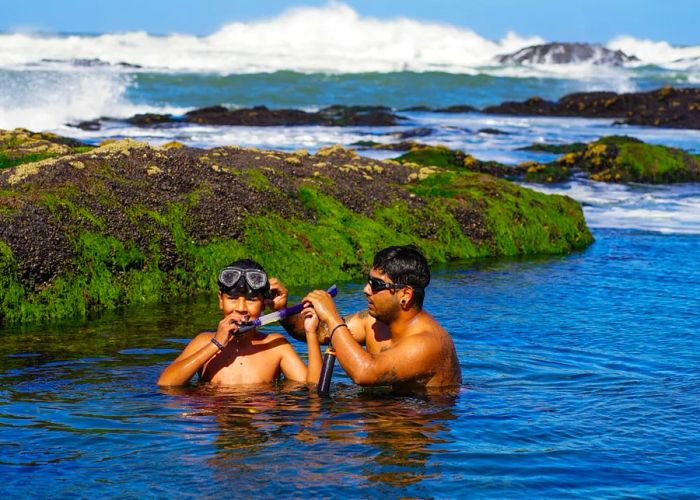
<point x="406" y="274"/>
<point x="243" y="286"/>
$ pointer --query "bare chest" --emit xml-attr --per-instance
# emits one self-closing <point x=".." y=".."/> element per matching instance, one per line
<point x="232" y="368"/>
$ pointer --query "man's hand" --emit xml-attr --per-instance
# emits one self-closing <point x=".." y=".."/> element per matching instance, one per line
<point x="279" y="295"/>
<point x="324" y="306"/>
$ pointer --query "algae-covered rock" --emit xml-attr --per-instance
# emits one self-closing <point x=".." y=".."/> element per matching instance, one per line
<point x="574" y="147"/>
<point x="20" y="146"/>
<point x="442" y="156"/>
<point x="623" y="159"/>
<point x="611" y="159"/>
<point x="127" y="222"/>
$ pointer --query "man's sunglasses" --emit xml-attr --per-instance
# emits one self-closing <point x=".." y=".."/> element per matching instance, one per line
<point x="378" y="285"/>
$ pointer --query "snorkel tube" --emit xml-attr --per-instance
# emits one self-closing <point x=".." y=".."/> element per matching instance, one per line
<point x="323" y="388"/>
<point x="277" y="315"/>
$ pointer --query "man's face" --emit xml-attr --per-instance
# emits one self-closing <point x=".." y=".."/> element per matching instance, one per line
<point x="382" y="302"/>
<point x="244" y="308"/>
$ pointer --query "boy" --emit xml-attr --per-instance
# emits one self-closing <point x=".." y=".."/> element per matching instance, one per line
<point x="227" y="358"/>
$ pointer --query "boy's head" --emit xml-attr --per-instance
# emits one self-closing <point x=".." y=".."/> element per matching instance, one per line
<point x="405" y="264"/>
<point x="244" y="277"/>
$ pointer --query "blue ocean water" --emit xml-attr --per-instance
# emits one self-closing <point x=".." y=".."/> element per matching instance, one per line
<point x="581" y="379"/>
<point x="581" y="371"/>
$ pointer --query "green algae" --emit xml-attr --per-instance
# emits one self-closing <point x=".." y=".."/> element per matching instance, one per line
<point x="523" y="221"/>
<point x="620" y="159"/>
<point x="438" y="156"/>
<point x="7" y="161"/>
<point x="574" y="147"/>
<point x="548" y="173"/>
<point x="626" y="159"/>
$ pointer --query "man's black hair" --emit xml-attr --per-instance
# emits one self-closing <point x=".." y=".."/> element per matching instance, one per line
<point x="406" y="265"/>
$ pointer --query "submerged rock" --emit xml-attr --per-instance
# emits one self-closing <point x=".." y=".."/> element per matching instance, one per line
<point x="568" y="53"/>
<point x="127" y="222"/>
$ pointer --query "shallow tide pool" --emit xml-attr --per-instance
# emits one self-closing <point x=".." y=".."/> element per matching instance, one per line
<point x="582" y="379"/>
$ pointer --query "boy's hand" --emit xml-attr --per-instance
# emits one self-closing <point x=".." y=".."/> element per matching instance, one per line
<point x="279" y="295"/>
<point x="324" y="306"/>
<point x="226" y="328"/>
<point x="310" y="320"/>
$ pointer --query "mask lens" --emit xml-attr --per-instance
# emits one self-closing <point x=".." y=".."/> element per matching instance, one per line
<point x="256" y="279"/>
<point x="229" y="277"/>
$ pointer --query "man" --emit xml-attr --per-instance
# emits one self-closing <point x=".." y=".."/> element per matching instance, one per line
<point x="226" y="357"/>
<point x="406" y="347"/>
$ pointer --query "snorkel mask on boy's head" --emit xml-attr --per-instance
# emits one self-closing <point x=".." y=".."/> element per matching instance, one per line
<point x="244" y="277"/>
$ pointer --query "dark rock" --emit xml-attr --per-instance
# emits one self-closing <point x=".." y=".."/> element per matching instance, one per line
<point x="416" y="108"/>
<point x="665" y="107"/>
<point x="567" y="53"/>
<point x="533" y="106"/>
<point x="149" y="119"/>
<point x="87" y="125"/>
<point x="457" y="108"/>
<point x="261" y="116"/>
<point x="357" y="116"/>
<point x="492" y="131"/>
<point x="414" y="132"/>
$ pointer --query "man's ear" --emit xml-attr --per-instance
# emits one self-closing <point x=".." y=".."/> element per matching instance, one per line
<point x="406" y="297"/>
<point x="221" y="299"/>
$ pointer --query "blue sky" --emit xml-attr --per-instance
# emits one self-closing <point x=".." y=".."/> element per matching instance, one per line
<point x="556" y="20"/>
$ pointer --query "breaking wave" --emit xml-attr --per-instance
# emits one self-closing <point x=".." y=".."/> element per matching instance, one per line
<point x="333" y="38"/>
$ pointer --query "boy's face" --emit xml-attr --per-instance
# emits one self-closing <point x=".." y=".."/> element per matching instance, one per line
<point x="244" y="308"/>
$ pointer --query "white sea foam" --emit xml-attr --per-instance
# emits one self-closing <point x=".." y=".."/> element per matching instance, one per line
<point x="332" y="38"/>
<point x="660" y="53"/>
<point x="41" y="100"/>
<point x="666" y="209"/>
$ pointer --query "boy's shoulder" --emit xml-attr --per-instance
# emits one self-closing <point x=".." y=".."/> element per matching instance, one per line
<point x="277" y="338"/>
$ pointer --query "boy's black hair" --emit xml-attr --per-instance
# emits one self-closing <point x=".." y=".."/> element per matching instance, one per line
<point x="407" y="265"/>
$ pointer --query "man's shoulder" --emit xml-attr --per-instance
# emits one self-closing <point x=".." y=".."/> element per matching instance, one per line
<point x="427" y="330"/>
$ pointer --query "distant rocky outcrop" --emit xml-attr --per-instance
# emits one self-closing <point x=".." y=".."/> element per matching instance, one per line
<point x="665" y="107"/>
<point x="261" y="116"/>
<point x="83" y="228"/>
<point x="88" y="63"/>
<point x="568" y="53"/>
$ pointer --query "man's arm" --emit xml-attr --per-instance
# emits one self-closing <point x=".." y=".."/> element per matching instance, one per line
<point x="358" y="323"/>
<point x="408" y="359"/>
